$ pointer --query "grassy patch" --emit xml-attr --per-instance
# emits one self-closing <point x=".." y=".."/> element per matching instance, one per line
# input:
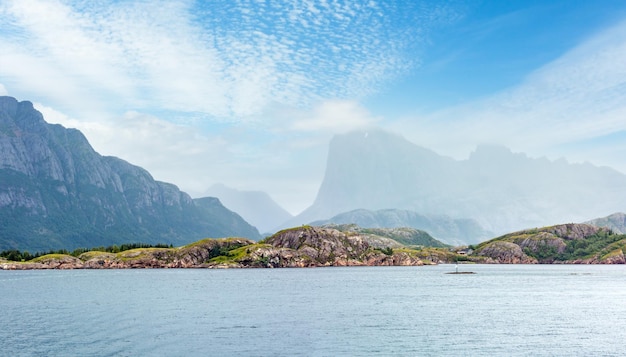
<point x="48" y="257"/>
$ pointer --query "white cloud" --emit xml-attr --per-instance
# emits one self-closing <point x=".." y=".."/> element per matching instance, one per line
<point x="135" y="76"/>
<point x="3" y="91"/>
<point x="334" y="116"/>
<point x="227" y="60"/>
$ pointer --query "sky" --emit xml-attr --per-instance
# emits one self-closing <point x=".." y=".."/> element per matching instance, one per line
<point x="249" y="93"/>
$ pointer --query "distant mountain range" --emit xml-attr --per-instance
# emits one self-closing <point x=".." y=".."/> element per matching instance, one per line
<point x="56" y="192"/>
<point x="451" y="231"/>
<point x="501" y="190"/>
<point x="255" y="207"/>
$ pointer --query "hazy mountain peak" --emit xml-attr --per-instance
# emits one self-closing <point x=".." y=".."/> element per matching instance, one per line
<point x="502" y="190"/>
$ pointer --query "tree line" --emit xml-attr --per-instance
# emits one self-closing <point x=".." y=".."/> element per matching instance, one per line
<point x="18" y="256"/>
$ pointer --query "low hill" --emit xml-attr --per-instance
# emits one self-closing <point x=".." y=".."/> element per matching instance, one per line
<point x="566" y="243"/>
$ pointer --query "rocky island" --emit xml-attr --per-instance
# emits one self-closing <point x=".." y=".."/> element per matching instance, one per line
<point x="304" y="246"/>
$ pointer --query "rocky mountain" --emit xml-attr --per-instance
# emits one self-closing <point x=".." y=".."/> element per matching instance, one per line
<point x="56" y="192"/>
<point x="565" y="243"/>
<point x="256" y="207"/>
<point x="615" y="222"/>
<point x="503" y="191"/>
<point x="451" y="231"/>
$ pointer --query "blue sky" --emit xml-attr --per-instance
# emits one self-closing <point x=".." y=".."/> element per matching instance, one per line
<point x="248" y="93"/>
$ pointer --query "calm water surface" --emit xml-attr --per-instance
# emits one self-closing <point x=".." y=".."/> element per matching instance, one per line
<point x="379" y="311"/>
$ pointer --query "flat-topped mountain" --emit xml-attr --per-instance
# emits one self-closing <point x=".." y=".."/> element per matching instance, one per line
<point x="56" y="192"/>
<point x="501" y="190"/>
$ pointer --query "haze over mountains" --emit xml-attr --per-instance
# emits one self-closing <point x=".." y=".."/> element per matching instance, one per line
<point x="451" y="231"/>
<point x="256" y="207"/>
<point x="501" y="190"/>
<point x="56" y="192"/>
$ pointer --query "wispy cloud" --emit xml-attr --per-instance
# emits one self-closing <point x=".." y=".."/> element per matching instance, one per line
<point x="224" y="59"/>
<point x="579" y="97"/>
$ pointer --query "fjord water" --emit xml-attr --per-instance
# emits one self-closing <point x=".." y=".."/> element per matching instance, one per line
<point x="508" y="310"/>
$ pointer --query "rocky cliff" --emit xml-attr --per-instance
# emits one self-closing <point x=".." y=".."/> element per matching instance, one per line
<point x="56" y="192"/>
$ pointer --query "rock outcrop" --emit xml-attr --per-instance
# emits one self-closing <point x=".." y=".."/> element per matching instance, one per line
<point x="505" y="253"/>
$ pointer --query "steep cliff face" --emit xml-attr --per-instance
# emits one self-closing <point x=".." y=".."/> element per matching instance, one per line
<point x="56" y="192"/>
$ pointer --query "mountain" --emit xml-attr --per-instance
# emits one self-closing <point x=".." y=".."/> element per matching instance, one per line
<point x="452" y="231"/>
<point x="56" y="192"/>
<point x="503" y="191"/>
<point x="565" y="243"/>
<point x="255" y="207"/>
<point x="615" y="222"/>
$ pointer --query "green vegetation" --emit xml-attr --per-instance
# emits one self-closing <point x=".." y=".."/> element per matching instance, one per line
<point x="601" y="243"/>
<point x="386" y="250"/>
<point x="18" y="256"/>
<point x="547" y="245"/>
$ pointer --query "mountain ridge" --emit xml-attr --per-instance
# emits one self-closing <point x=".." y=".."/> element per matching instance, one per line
<point x="56" y="192"/>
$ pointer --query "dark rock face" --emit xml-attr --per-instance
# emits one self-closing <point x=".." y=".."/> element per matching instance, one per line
<point x="56" y="192"/>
